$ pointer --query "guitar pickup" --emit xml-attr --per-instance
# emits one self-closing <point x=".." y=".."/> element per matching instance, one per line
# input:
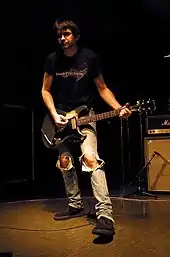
<point x="73" y="123"/>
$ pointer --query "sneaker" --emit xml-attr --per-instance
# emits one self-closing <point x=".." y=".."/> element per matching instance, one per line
<point x="104" y="227"/>
<point x="71" y="212"/>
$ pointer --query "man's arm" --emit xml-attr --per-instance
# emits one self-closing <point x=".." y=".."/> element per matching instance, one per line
<point x="109" y="97"/>
<point x="46" y="95"/>
<point x="48" y="99"/>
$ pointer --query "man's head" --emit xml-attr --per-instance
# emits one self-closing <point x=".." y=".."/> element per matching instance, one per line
<point x="67" y="33"/>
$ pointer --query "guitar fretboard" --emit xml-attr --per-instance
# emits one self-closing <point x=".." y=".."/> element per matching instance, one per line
<point x="96" y="117"/>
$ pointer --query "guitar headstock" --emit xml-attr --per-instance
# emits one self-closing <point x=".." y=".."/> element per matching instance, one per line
<point x="146" y="106"/>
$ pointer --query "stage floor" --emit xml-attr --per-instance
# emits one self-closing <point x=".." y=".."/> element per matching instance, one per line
<point x="27" y="229"/>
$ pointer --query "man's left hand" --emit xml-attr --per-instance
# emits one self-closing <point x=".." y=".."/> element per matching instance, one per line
<point x="125" y="113"/>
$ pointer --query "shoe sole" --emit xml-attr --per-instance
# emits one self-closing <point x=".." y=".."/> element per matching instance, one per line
<point x="101" y="232"/>
<point x="69" y="217"/>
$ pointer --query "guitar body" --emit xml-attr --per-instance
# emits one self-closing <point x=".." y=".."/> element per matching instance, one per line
<point x="52" y="136"/>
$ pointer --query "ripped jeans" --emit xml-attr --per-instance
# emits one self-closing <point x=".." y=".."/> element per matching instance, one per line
<point x="97" y="176"/>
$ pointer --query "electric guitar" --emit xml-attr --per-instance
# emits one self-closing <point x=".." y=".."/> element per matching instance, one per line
<point x="52" y="135"/>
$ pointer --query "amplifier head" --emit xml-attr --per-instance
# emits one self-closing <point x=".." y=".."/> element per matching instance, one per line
<point x="159" y="124"/>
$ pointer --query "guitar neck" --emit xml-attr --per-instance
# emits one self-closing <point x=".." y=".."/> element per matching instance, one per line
<point x="96" y="117"/>
<point x="103" y="116"/>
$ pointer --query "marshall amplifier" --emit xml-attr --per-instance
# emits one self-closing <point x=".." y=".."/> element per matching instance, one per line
<point x="159" y="124"/>
<point x="157" y="160"/>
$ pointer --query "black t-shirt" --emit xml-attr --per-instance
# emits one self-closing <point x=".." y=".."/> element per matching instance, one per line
<point x="73" y="78"/>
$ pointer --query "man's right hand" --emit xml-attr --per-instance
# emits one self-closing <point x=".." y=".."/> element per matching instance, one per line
<point x="61" y="121"/>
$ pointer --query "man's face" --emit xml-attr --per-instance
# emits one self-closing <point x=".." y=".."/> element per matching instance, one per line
<point x="66" y="39"/>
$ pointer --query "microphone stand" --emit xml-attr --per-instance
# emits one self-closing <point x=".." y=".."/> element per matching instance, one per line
<point x="140" y="189"/>
<point x="122" y="155"/>
<point x="125" y="152"/>
<point x="141" y="140"/>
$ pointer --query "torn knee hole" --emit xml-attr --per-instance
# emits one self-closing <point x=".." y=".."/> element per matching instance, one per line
<point x="90" y="161"/>
<point x="65" y="160"/>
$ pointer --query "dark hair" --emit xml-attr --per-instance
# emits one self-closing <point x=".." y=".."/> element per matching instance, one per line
<point x="61" y="25"/>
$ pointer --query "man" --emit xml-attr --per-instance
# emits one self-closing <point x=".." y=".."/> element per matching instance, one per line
<point x="72" y="74"/>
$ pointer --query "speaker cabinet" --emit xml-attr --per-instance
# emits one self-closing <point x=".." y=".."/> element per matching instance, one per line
<point x="157" y="156"/>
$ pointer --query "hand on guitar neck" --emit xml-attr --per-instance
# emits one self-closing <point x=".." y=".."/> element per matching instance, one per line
<point x="125" y="112"/>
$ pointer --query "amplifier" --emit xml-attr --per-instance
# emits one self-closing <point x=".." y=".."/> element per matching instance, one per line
<point x="156" y="151"/>
<point x="159" y="124"/>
